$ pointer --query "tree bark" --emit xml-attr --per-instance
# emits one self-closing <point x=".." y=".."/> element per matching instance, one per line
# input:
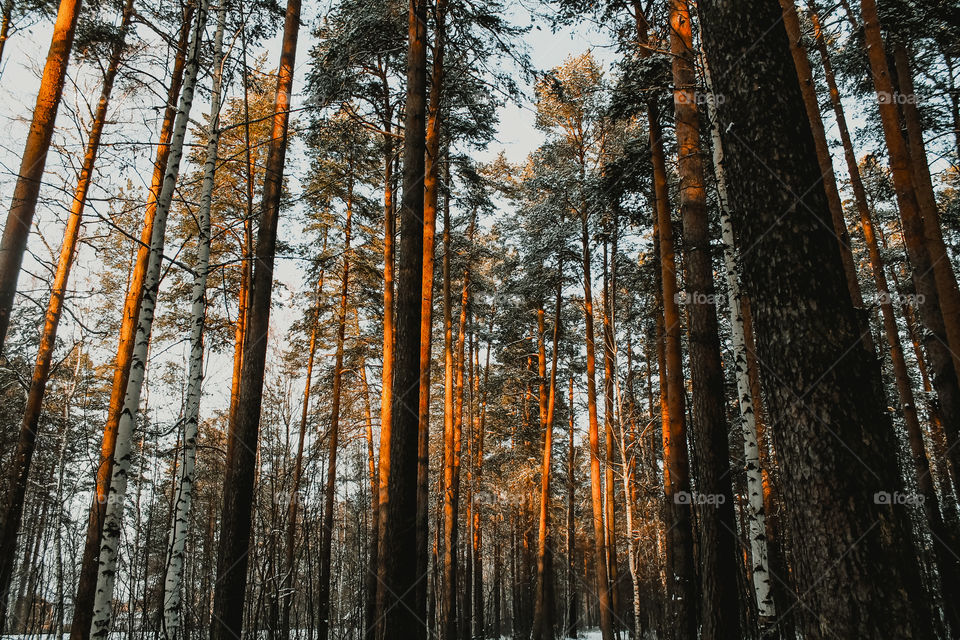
<point x="821" y="386"/>
<point x="396" y="591"/>
<point x="232" y="557"/>
<point x="717" y="544"/>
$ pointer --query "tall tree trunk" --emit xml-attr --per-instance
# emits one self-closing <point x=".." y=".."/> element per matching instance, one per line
<point x="396" y="592"/>
<point x="572" y="606"/>
<point x="232" y="556"/>
<point x="86" y="583"/>
<point x="113" y="515"/>
<point x="326" y="537"/>
<point x="16" y="232"/>
<point x="543" y="605"/>
<point x="609" y="415"/>
<point x="453" y="439"/>
<point x="479" y="629"/>
<point x="26" y="442"/>
<point x="173" y="580"/>
<point x="759" y="565"/>
<point x="717" y="545"/>
<point x="821" y="386"/>
<point x="681" y="585"/>
<point x="596" y="488"/>
<point x="246" y="249"/>
<point x="431" y="192"/>
<point x="681" y="578"/>
<point x="386" y="397"/>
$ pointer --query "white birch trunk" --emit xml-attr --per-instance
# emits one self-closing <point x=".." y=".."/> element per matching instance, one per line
<point x="172" y="586"/>
<point x="113" y="520"/>
<point x="748" y="423"/>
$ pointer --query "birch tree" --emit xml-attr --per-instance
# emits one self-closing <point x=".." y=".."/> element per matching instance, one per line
<point x="172" y="586"/>
<point x="113" y="519"/>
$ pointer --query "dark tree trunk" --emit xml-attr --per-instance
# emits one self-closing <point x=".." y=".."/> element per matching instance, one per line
<point x="397" y="605"/>
<point x="822" y="385"/>
<point x="232" y="556"/>
<point x="717" y="543"/>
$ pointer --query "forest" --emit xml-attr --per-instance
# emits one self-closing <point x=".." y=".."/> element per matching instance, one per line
<point x="480" y="319"/>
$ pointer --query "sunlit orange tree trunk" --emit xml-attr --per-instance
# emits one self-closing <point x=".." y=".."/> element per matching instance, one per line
<point x="20" y="217"/>
<point x="720" y="607"/>
<point x="19" y="472"/>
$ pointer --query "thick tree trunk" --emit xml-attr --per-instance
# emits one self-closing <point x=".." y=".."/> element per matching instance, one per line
<point x="396" y="593"/>
<point x="26" y="442"/>
<point x="113" y="516"/>
<point x="717" y="544"/>
<point x="822" y="387"/>
<point x="232" y="556"/>
<point x="16" y="232"/>
<point x="173" y="579"/>
<point x="760" y="564"/>
<point x="333" y="433"/>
